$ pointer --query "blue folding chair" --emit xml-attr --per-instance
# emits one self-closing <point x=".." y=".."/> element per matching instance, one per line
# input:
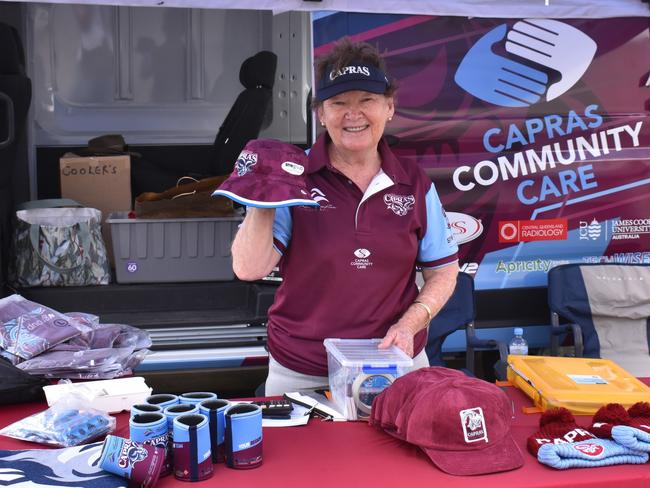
<point x="460" y="313"/>
<point x="606" y="309"/>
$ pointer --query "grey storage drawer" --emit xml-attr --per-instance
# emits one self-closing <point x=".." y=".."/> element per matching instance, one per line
<point x="172" y="250"/>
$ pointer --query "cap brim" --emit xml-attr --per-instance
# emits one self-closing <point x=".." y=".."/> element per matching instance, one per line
<point x="499" y="456"/>
<point x="265" y="191"/>
<point x="371" y="86"/>
<point x="249" y="202"/>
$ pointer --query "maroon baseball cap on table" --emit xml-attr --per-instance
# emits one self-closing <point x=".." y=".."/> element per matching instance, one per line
<point x="387" y="409"/>
<point x="461" y="423"/>
<point x="268" y="174"/>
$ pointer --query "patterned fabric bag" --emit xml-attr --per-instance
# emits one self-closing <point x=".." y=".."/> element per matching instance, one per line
<point x="59" y="247"/>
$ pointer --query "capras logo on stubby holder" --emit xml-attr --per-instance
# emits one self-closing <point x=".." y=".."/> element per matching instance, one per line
<point x="130" y="454"/>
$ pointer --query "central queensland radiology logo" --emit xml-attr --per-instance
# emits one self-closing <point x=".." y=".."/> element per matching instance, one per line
<point x="534" y="48"/>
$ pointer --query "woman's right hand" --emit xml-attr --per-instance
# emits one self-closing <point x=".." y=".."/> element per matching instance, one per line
<point x="253" y="254"/>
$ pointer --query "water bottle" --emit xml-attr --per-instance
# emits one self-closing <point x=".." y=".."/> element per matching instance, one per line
<point x="518" y="344"/>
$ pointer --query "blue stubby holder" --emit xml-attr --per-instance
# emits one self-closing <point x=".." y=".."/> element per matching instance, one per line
<point x="145" y="408"/>
<point x="197" y="397"/>
<point x="243" y="437"/>
<point x="162" y="399"/>
<point x="192" y="459"/>
<point x="214" y="410"/>
<point x="151" y="429"/>
<point x="173" y="411"/>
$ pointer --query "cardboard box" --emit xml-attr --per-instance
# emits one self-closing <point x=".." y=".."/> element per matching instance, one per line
<point x="101" y="182"/>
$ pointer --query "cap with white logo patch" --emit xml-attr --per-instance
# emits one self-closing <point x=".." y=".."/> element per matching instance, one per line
<point x="268" y="174"/>
<point x="461" y="423"/>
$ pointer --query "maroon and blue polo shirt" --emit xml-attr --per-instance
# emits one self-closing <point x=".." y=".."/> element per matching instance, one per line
<point x="348" y="266"/>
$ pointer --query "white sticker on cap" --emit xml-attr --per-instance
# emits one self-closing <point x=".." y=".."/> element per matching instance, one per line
<point x="293" y="168"/>
<point x="473" y="422"/>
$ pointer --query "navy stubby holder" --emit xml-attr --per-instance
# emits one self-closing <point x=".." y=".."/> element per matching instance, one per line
<point x="214" y="410"/>
<point x="243" y="436"/>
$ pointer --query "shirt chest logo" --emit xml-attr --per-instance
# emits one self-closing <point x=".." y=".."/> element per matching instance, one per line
<point x="399" y="204"/>
<point x="319" y="196"/>
<point x="361" y="259"/>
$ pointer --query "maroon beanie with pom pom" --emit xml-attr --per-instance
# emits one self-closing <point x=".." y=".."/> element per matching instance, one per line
<point x="607" y="417"/>
<point x="557" y="426"/>
<point x="640" y="416"/>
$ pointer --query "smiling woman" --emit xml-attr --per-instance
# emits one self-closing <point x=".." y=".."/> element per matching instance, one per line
<point x="355" y="122"/>
<point x="348" y="266"/>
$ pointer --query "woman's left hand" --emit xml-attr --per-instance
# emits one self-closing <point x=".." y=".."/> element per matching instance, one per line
<point x="400" y="335"/>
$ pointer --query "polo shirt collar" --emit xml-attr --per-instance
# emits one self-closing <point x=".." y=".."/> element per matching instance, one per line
<point x="319" y="159"/>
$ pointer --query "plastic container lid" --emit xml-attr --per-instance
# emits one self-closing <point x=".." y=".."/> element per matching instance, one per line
<point x="519" y="331"/>
<point x="355" y="352"/>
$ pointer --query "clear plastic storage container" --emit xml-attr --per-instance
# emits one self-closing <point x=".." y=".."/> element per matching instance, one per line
<point x="358" y="371"/>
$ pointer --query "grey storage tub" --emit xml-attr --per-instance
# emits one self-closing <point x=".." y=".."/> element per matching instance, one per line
<point x="172" y="250"/>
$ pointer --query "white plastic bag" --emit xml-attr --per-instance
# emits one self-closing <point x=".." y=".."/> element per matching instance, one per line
<point x="66" y="423"/>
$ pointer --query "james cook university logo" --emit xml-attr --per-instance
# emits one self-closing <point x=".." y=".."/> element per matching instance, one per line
<point x="521" y="79"/>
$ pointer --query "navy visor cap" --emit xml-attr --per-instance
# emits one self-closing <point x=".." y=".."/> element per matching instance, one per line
<point x="355" y="76"/>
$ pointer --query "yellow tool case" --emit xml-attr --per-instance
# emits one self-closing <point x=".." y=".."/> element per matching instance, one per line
<point x="582" y="385"/>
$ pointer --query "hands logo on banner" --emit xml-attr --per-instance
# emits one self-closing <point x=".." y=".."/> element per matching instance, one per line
<point x="511" y="83"/>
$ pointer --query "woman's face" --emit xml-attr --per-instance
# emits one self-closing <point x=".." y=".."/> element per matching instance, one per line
<point x="355" y="120"/>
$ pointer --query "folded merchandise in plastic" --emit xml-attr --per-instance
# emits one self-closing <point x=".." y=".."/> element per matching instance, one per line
<point x="29" y="328"/>
<point x="107" y="335"/>
<point x="68" y="422"/>
<point x="48" y="343"/>
<point x="102" y="363"/>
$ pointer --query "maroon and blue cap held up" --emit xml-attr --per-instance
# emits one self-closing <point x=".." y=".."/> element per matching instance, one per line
<point x="268" y="174"/>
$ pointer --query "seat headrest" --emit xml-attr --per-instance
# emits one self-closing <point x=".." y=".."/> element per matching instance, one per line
<point x="258" y="70"/>
<point x="11" y="54"/>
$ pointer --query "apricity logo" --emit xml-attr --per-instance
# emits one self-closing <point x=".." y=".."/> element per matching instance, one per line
<point x="516" y="73"/>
